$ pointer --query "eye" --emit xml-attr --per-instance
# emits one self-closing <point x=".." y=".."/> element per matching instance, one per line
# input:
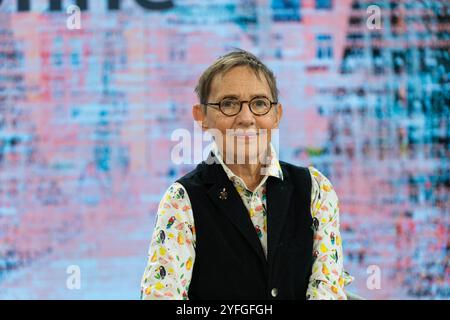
<point x="229" y="103"/>
<point x="260" y="103"/>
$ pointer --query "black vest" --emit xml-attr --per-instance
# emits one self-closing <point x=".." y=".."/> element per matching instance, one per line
<point x="230" y="261"/>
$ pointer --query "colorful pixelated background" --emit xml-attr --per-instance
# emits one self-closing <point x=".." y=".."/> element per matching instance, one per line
<point x="86" y="117"/>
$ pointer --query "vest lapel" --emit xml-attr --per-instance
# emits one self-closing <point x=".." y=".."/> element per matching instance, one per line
<point x="278" y="199"/>
<point x="232" y="206"/>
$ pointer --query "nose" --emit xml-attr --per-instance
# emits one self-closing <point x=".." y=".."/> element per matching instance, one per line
<point x="245" y="118"/>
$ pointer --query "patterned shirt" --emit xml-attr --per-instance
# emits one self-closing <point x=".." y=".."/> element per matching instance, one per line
<point x="171" y="255"/>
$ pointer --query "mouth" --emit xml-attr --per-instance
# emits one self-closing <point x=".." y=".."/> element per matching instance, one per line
<point x="244" y="134"/>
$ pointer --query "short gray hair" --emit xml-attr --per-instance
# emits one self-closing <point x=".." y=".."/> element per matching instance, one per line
<point x="233" y="59"/>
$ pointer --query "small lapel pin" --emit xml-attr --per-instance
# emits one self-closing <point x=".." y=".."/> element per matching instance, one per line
<point x="223" y="194"/>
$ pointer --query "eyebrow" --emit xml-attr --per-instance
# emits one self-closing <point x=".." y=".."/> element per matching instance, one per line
<point x="259" y="95"/>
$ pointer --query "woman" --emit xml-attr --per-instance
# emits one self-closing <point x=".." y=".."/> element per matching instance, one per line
<point x="244" y="225"/>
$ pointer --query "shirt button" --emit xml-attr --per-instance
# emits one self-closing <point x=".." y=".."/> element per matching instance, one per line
<point x="274" y="292"/>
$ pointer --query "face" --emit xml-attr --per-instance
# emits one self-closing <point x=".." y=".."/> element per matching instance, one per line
<point x="242" y="131"/>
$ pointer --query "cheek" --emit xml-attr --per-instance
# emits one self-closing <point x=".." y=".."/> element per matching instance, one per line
<point x="268" y="122"/>
<point x="221" y="123"/>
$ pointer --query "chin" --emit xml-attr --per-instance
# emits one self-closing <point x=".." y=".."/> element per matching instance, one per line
<point x="249" y="156"/>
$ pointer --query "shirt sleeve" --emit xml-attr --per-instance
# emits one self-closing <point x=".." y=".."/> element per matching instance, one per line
<point x="172" y="248"/>
<point x="328" y="276"/>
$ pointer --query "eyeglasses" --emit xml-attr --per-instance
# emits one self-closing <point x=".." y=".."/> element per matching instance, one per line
<point x="259" y="106"/>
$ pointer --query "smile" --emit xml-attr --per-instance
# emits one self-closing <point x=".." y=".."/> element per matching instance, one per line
<point x="244" y="134"/>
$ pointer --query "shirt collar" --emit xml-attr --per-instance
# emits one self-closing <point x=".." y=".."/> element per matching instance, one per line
<point x="273" y="169"/>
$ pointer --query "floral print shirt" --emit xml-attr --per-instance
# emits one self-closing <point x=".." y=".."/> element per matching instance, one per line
<point x="171" y="255"/>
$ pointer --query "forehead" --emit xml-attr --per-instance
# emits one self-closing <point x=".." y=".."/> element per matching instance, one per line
<point x="240" y="81"/>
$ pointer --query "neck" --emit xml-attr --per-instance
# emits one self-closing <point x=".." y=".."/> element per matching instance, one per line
<point x="250" y="173"/>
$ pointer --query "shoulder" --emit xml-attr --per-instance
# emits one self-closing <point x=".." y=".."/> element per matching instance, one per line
<point x="324" y="200"/>
<point x="194" y="177"/>
<point x="176" y="191"/>
<point x="174" y="205"/>
<point x="320" y="180"/>
<point x="293" y="171"/>
<point x="175" y="197"/>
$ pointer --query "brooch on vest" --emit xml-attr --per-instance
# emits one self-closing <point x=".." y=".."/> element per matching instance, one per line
<point x="223" y="194"/>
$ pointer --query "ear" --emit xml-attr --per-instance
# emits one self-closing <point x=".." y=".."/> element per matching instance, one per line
<point x="199" y="116"/>
<point x="278" y="114"/>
